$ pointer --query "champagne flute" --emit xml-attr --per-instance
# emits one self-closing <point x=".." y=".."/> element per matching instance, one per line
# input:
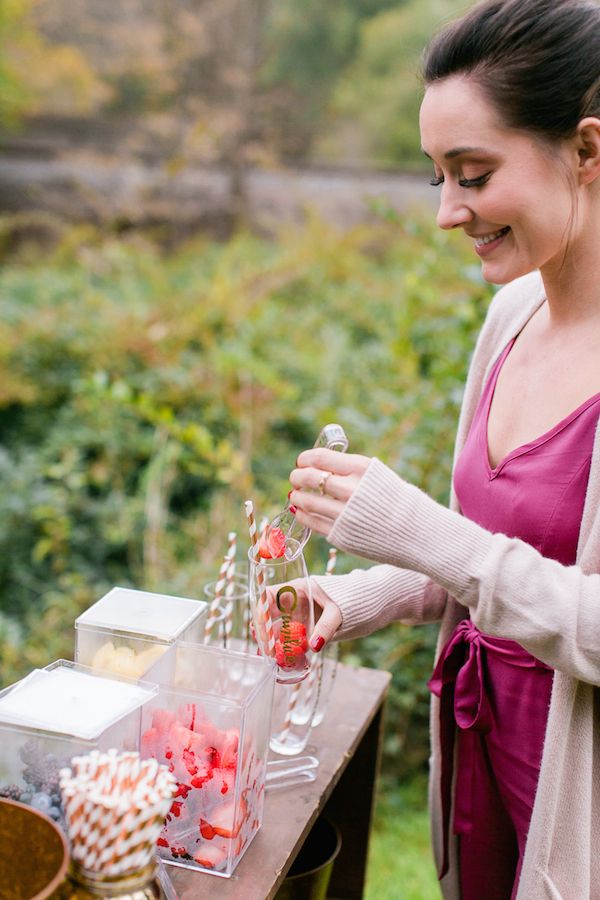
<point x="282" y="617"/>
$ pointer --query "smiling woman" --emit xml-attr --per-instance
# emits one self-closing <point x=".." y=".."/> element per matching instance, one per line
<point x="511" y="122"/>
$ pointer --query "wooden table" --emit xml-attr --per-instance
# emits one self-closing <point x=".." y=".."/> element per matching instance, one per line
<point x="347" y="745"/>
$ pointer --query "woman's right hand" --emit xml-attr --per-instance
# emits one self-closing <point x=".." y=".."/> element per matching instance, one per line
<point x="327" y="621"/>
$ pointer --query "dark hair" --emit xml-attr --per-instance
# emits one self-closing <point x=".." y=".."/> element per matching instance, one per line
<point x="537" y="61"/>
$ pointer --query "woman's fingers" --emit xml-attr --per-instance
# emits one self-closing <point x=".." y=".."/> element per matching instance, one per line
<point x="329" y="620"/>
<point x="320" y="524"/>
<point x="322" y="482"/>
<point x="333" y="461"/>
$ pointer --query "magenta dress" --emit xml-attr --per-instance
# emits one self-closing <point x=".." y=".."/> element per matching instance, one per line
<point x="494" y="695"/>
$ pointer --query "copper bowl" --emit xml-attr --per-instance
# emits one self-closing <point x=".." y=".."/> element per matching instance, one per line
<point x="34" y="854"/>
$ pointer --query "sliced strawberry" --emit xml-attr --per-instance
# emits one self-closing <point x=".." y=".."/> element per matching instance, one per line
<point x="291" y="645"/>
<point x="206" y="830"/>
<point x="272" y="544"/>
<point x="162" y="842"/>
<point x="229" y="748"/>
<point x="182" y="790"/>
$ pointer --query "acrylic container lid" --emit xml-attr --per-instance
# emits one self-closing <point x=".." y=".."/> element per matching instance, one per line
<point x="157" y="616"/>
<point x="71" y="700"/>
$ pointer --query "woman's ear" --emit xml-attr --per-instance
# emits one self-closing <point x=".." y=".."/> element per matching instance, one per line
<point x="588" y="149"/>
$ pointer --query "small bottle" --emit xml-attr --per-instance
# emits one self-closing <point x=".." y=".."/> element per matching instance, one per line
<point x="332" y="437"/>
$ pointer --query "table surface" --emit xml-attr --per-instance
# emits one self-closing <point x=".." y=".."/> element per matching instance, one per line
<point x="352" y="722"/>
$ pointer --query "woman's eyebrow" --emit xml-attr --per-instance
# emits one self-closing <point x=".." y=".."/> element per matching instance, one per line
<point x="459" y="151"/>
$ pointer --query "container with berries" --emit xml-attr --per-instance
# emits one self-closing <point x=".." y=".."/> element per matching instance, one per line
<point x="212" y="731"/>
<point x="58" y="712"/>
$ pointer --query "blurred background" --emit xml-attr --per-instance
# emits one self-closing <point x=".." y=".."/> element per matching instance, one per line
<point x="216" y="236"/>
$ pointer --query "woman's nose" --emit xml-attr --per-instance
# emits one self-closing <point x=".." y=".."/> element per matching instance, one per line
<point x="453" y="211"/>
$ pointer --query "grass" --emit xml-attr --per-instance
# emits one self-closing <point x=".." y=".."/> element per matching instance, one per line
<point x="400" y="861"/>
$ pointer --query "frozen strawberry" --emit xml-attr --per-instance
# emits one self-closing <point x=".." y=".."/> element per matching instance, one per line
<point x="189" y="760"/>
<point x="150" y="742"/>
<point x="203" y="774"/>
<point x="223" y="820"/>
<point x="218" y="787"/>
<point x="162" y="719"/>
<point x="272" y="544"/>
<point x="211" y="856"/>
<point x="186" y="715"/>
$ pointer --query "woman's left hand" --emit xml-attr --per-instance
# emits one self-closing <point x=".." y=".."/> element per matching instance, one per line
<point x="323" y="482"/>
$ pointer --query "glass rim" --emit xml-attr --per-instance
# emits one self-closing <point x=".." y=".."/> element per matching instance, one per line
<point x="240" y="584"/>
<point x="276" y="560"/>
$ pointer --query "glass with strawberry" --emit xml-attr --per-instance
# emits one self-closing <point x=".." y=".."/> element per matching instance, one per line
<point x="282" y="616"/>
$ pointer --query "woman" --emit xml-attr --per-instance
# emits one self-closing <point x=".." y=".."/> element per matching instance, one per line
<point x="511" y="122"/>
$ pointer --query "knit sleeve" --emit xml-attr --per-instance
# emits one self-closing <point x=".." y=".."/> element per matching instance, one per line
<point x="370" y="599"/>
<point x="512" y="591"/>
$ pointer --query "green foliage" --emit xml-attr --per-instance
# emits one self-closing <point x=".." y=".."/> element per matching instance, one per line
<point x="144" y="396"/>
<point x="35" y="73"/>
<point x="381" y="89"/>
<point x="399" y="850"/>
<point x="13" y="92"/>
<point x="307" y="47"/>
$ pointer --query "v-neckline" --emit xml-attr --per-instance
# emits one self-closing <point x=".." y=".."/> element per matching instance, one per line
<point x="494" y="471"/>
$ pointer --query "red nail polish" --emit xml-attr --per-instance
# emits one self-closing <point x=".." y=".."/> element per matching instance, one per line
<point x="317" y="643"/>
<point x="293" y="510"/>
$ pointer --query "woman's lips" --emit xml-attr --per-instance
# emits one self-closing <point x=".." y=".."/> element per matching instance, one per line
<point x="486" y="244"/>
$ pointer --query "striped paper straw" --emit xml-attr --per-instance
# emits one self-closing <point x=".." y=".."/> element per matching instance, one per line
<point x="229" y="589"/>
<point x="316" y="667"/>
<point x="263" y="604"/>
<point x="213" y="610"/>
<point x="283" y="734"/>
<point x="329" y="569"/>
<point x="115" y="807"/>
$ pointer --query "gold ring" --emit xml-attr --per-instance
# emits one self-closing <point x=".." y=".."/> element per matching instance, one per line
<point x="323" y="482"/>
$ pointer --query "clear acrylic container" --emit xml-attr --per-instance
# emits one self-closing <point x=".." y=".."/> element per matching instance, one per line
<point x="133" y="633"/>
<point x="58" y="712"/>
<point x="212" y="731"/>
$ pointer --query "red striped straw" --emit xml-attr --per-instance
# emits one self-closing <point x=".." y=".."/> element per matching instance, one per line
<point x="263" y="606"/>
<point x="213" y="610"/>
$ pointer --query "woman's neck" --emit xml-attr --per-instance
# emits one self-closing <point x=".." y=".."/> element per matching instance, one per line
<point x="572" y="283"/>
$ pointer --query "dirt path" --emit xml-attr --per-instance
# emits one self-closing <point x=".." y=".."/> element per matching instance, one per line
<point x="84" y="187"/>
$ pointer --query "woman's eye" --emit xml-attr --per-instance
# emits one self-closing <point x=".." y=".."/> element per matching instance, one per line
<point x="474" y="182"/>
<point x="436" y="180"/>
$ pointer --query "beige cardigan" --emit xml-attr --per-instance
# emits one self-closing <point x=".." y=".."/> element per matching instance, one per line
<point x="434" y="560"/>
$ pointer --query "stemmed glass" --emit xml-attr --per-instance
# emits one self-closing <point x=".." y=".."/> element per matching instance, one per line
<point x="282" y="616"/>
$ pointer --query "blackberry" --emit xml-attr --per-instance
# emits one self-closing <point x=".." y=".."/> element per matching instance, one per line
<point x="41" y="770"/>
<point x="11" y="791"/>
